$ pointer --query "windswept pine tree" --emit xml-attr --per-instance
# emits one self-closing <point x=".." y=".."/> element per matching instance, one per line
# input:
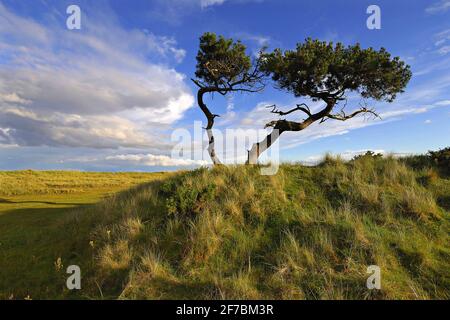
<point x="223" y="67"/>
<point x="322" y="71"/>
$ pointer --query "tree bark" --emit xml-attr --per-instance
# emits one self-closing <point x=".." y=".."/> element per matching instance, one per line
<point x="280" y="126"/>
<point x="210" y="118"/>
<point x="258" y="148"/>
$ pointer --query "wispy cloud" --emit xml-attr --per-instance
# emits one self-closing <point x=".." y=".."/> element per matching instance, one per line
<point x="259" y="40"/>
<point x="208" y="3"/>
<point x="442" y="39"/>
<point x="173" y="11"/>
<point x="255" y="42"/>
<point x="154" y="160"/>
<point x="443" y="103"/>
<point x="444" y="50"/>
<point x="438" y="7"/>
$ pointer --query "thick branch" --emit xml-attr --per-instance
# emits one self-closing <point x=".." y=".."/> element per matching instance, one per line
<point x="280" y="126"/>
<point x="210" y="123"/>
<point x="198" y="83"/>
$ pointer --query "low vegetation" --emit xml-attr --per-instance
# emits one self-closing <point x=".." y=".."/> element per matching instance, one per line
<point x="231" y="233"/>
<point x="29" y="182"/>
<point x="34" y="242"/>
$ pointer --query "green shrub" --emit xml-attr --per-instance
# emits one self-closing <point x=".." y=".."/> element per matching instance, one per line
<point x="441" y="158"/>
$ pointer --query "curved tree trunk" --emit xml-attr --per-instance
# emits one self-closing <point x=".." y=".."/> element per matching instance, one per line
<point x="210" y="118"/>
<point x="280" y="126"/>
<point x="258" y="148"/>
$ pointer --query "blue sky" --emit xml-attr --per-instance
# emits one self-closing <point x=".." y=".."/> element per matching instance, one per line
<point x="109" y="96"/>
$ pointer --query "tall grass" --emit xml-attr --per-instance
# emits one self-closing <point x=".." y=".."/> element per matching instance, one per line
<point x="304" y="233"/>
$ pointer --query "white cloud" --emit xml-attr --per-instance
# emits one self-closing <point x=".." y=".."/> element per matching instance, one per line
<point x="327" y="129"/>
<point x="442" y="39"/>
<point x="259" y="40"/>
<point x="255" y="42"/>
<point x="401" y="112"/>
<point x="28" y="128"/>
<point x="173" y="11"/>
<point x="21" y="28"/>
<point x="428" y="68"/>
<point x="428" y="121"/>
<point x="443" y="103"/>
<point x="208" y="3"/>
<point x="12" y="98"/>
<point x="258" y="117"/>
<point x="105" y="87"/>
<point x="154" y="160"/>
<point x="438" y="7"/>
<point x="444" y="50"/>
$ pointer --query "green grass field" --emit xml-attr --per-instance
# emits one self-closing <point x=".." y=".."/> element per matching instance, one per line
<point x="229" y="232"/>
<point x="33" y="209"/>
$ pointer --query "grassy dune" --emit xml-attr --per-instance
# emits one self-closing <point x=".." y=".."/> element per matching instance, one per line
<point x="230" y="233"/>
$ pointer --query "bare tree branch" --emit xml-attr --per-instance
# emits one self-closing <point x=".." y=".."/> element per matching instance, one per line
<point x="198" y="83"/>
<point x="300" y="107"/>
<point x="342" y="116"/>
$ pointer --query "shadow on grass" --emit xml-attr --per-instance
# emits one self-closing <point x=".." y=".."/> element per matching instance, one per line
<point x="43" y="202"/>
<point x="444" y="202"/>
<point x="32" y="240"/>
